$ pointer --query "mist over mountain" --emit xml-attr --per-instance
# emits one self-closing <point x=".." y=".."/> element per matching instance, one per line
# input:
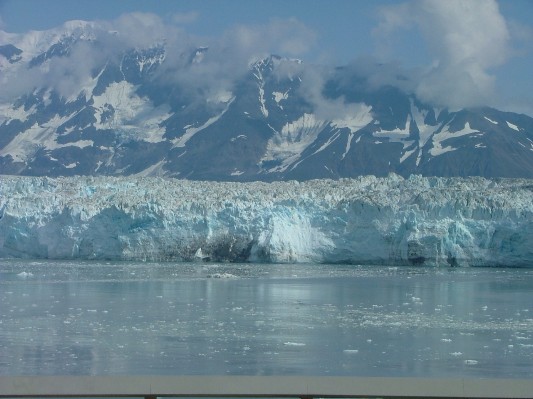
<point x="138" y="97"/>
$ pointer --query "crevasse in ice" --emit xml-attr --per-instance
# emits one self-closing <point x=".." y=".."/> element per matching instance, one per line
<point x="391" y="220"/>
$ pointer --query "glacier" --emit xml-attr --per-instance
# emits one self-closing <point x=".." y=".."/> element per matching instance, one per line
<point x="427" y="221"/>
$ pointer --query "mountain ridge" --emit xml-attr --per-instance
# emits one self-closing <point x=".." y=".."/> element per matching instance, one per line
<point x="154" y="111"/>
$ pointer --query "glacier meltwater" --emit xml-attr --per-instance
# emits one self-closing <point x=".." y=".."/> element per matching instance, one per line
<point x="416" y="221"/>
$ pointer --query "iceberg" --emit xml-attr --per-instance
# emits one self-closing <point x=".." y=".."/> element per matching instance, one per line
<point x="427" y="221"/>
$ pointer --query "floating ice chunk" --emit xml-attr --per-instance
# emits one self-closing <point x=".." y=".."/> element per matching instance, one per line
<point x="221" y="275"/>
<point x="350" y="351"/>
<point x="471" y="362"/>
<point x="456" y="354"/>
<point x="25" y="275"/>
<point x="293" y="344"/>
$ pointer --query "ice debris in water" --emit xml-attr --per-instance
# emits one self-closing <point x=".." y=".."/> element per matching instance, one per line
<point x="221" y="275"/>
<point x="25" y="275"/>
<point x="416" y="221"/>
<point x="350" y="351"/>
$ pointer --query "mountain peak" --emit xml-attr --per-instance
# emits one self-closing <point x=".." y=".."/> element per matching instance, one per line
<point x="273" y="60"/>
<point x="134" y="114"/>
<point x="74" y="25"/>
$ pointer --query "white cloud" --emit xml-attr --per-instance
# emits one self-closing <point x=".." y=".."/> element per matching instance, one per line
<point x="229" y="56"/>
<point x="465" y="31"/>
<point x="372" y="74"/>
<point x="314" y="79"/>
<point x="465" y="38"/>
<point x="288" y="37"/>
<point x="141" y="30"/>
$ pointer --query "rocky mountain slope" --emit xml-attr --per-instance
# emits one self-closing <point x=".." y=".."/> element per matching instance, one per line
<point x="148" y="111"/>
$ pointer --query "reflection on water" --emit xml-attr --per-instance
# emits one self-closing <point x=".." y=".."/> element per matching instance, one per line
<point x="130" y="318"/>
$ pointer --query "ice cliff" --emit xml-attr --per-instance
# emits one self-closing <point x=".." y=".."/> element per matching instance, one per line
<point x="415" y="221"/>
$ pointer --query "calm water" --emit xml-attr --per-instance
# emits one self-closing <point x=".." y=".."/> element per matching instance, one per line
<point x="89" y="318"/>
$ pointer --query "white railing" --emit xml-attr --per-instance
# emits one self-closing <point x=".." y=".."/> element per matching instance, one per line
<point x="152" y="387"/>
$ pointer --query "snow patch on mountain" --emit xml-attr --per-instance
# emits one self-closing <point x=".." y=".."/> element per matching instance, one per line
<point x="278" y="97"/>
<point x="425" y="130"/>
<point x="147" y="62"/>
<point x="358" y="118"/>
<point x="396" y="135"/>
<point x="153" y="170"/>
<point x="239" y="137"/>
<point x="191" y="131"/>
<point x="407" y="154"/>
<point x="287" y="145"/>
<point x="34" y="43"/>
<point x="8" y="113"/>
<point x="445" y="134"/>
<point x="26" y="144"/>
<point x="223" y="96"/>
<point x="261" y="86"/>
<point x="512" y="126"/>
<point x="348" y="145"/>
<point x="336" y="134"/>
<point x="119" y="108"/>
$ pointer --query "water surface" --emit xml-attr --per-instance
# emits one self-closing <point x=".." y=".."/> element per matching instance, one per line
<point x="94" y="318"/>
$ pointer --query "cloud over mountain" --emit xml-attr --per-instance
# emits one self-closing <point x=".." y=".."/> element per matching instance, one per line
<point x="462" y="43"/>
<point x="465" y="39"/>
<point x="228" y="59"/>
<point x="140" y="95"/>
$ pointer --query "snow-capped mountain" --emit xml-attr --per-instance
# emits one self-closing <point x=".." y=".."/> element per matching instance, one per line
<point x="416" y="221"/>
<point x="70" y="106"/>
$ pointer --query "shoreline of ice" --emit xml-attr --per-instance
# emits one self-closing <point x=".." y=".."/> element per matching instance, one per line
<point x="426" y="221"/>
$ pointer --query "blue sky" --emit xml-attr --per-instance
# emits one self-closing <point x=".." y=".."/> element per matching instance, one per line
<point x="335" y="22"/>
<point x="492" y="41"/>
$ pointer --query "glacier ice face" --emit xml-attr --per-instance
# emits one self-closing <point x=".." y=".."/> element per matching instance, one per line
<point x="415" y="221"/>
